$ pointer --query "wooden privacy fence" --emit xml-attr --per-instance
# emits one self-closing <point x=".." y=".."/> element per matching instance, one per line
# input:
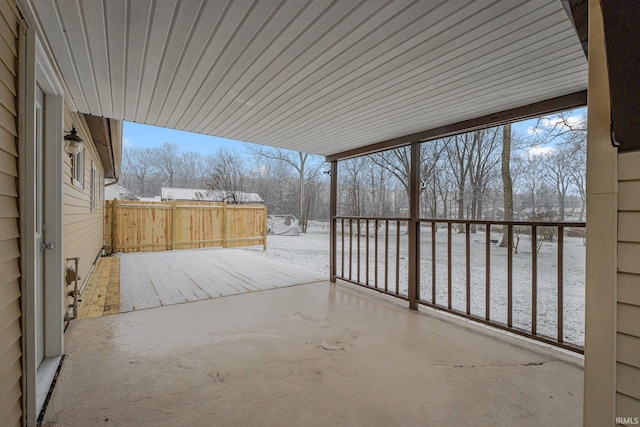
<point x="134" y="226"/>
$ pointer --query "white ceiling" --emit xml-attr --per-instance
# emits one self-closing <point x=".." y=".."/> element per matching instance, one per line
<point x="318" y="76"/>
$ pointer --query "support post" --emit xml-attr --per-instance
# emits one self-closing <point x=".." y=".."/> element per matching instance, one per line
<point x="333" y="208"/>
<point x="414" y="227"/>
<point x="600" y="345"/>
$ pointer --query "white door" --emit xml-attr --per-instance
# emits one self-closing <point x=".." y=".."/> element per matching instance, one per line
<point x="39" y="229"/>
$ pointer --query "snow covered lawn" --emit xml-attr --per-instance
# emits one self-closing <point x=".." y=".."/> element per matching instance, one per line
<point x="311" y="251"/>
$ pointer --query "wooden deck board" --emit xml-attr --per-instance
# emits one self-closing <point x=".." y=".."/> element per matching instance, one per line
<point x="209" y="284"/>
<point x="198" y="281"/>
<point x="163" y="280"/>
<point x="101" y="294"/>
<point x="112" y="302"/>
<point x="153" y="279"/>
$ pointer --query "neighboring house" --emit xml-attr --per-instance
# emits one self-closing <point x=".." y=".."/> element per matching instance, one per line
<point x="118" y="192"/>
<point x="341" y="79"/>
<point x="204" y="195"/>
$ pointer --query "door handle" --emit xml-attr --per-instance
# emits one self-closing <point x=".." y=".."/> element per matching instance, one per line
<point x="44" y="246"/>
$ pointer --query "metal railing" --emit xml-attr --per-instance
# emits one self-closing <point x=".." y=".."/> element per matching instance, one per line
<point x="374" y="253"/>
<point x="377" y="246"/>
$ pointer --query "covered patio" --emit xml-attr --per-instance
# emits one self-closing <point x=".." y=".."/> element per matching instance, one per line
<point x="343" y="80"/>
<point x="312" y="354"/>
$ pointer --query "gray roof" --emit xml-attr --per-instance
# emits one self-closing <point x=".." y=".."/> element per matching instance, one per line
<point x="174" y="193"/>
<point x="118" y="192"/>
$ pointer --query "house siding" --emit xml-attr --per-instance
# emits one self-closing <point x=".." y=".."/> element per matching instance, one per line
<point x="628" y="282"/>
<point x="83" y="228"/>
<point x="10" y="308"/>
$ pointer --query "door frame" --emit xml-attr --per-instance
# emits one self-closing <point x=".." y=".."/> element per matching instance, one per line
<point x="36" y="69"/>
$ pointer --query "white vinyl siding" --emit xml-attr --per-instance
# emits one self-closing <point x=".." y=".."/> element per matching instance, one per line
<point x="628" y="310"/>
<point x="10" y="308"/>
<point x="83" y="216"/>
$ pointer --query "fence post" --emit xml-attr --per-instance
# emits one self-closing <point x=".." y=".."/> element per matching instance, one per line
<point x="114" y="226"/>
<point x="225" y="224"/>
<point x="264" y="231"/>
<point x="174" y="229"/>
<point x="106" y="226"/>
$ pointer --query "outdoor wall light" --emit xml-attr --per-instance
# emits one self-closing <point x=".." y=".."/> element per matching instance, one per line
<point x="72" y="142"/>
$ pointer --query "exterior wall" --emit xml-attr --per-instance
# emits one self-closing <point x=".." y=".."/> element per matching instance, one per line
<point x="10" y="308"/>
<point x="628" y="307"/>
<point x="83" y="228"/>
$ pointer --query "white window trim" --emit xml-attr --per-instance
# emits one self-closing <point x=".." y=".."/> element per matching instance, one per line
<point x="94" y="188"/>
<point x="77" y="169"/>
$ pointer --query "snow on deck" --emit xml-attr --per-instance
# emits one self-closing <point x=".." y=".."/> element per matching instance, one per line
<point x="154" y="279"/>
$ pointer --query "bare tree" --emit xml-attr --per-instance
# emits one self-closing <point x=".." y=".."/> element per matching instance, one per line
<point x="431" y="167"/>
<point x="446" y="188"/>
<point x="568" y="131"/>
<point x="226" y="174"/>
<point x="167" y="161"/>
<point x="507" y="182"/>
<point x="139" y="166"/>
<point x="306" y="166"/>
<point x="558" y="164"/>
<point x="191" y="169"/>
<point x="380" y="182"/>
<point x="398" y="163"/>
<point x="353" y="199"/>
<point x="578" y="179"/>
<point x="483" y="159"/>
<point x="460" y="152"/>
<point x="534" y="183"/>
<point x="270" y="179"/>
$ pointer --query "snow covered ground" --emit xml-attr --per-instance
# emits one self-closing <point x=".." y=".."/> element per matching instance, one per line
<point x="311" y="250"/>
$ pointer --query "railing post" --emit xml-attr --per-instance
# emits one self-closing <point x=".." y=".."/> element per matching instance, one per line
<point x="510" y="275"/>
<point x="487" y="274"/>
<point x="375" y="256"/>
<point x="467" y="251"/>
<point x="560" y="284"/>
<point x="367" y="252"/>
<point x="333" y="208"/>
<point x="350" y="247"/>
<point x="449" y="267"/>
<point x="534" y="280"/>
<point x="414" y="227"/>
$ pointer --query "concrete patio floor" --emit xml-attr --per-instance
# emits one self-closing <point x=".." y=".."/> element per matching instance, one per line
<point x="311" y="355"/>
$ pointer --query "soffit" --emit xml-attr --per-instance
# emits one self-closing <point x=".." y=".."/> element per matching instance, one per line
<point x="106" y="135"/>
<point x="316" y="76"/>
